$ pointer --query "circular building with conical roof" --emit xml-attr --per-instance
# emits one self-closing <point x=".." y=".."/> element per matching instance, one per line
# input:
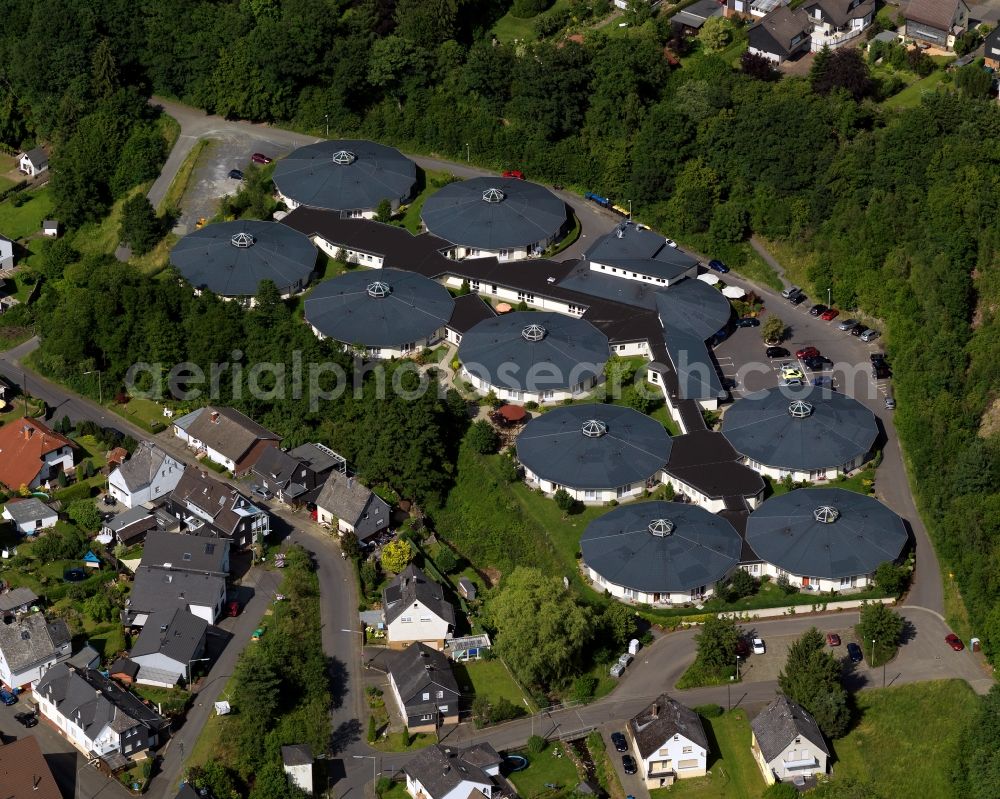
<point x="596" y="452"/>
<point x="660" y="553"/>
<point x="825" y="539"/>
<point x="348" y="175"/>
<point x="541" y="357"/>
<point x="505" y="218"/>
<point x="387" y="312"/>
<point x="816" y="437"/>
<point x="231" y="259"/>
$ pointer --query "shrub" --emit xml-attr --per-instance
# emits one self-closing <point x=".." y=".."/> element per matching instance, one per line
<point x="526" y="9"/>
<point x="709" y="711"/>
<point x="483" y="438"/>
<point x="446" y="560"/>
<point x="536" y="744"/>
<point x="583" y="688"/>
<point x="76" y="492"/>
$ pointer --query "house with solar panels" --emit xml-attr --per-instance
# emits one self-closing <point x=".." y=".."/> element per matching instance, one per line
<point x="825" y="539"/>
<point x="659" y="553"/>
<point x="596" y="453"/>
<point x="504" y="218"/>
<point x="817" y="437"/>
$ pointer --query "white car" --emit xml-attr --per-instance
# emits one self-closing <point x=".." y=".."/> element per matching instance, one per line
<point x="758" y="646"/>
<point x="671" y="243"/>
<point x="790" y="382"/>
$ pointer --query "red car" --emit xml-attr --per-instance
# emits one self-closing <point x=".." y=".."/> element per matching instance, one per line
<point x="829" y="314"/>
<point x="514" y="173"/>
<point x="260" y="158"/>
<point x="807" y="352"/>
<point x="833" y="639"/>
<point x="954" y="642"/>
<point x="233" y="608"/>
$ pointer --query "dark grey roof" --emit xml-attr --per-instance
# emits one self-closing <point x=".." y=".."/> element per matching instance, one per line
<point x="16" y="598"/>
<point x="86" y="658"/>
<point x="441" y="769"/>
<point x="821" y="429"/>
<point x="697" y="377"/>
<point x="317" y="457"/>
<point x="144" y="464"/>
<point x="124" y="666"/>
<point x="624" y="447"/>
<point x="188" y="791"/>
<point x="156" y="588"/>
<point x="366" y="175"/>
<point x="131" y="523"/>
<point x="38" y="156"/>
<point x="839" y="12"/>
<point x="612" y="287"/>
<point x="661" y="720"/>
<point x="520" y="214"/>
<point x="348" y="499"/>
<point x="379" y="308"/>
<point x="937" y="13"/>
<point x="297" y="755"/>
<point x="182" y="552"/>
<point x="24" y="511"/>
<point x="469" y="311"/>
<point x="692" y="306"/>
<point x="418" y="666"/>
<point x="174" y="633"/>
<point x="706" y="461"/>
<point x="31" y="640"/>
<point x="412" y="585"/>
<point x="780" y="723"/>
<point x="570" y="351"/>
<point x="776" y="31"/>
<point x="641" y="251"/>
<point x="784" y="531"/>
<point x="277" y="466"/>
<point x="621" y="546"/>
<point x="232" y="258"/>
<point x="694" y="15"/>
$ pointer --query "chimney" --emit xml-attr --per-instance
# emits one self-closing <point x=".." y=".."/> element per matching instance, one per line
<point x="214" y="418"/>
<point x="655" y="713"/>
<point x="27" y="432"/>
<point x="35" y="782"/>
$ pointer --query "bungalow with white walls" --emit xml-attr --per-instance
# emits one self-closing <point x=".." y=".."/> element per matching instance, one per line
<point x="669" y="743"/>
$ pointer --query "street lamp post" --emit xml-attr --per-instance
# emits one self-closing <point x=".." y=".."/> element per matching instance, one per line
<point x="327" y="116"/>
<point x="374" y="772"/>
<point x="629" y="210"/>
<point x="468" y="153"/>
<point x="737" y="668"/>
<point x="829" y="295"/>
<point x="100" y="389"/>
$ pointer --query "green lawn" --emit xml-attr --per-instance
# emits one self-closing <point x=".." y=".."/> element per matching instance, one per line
<point x="142" y="412"/>
<point x="734" y="774"/>
<point x="433" y="181"/>
<point x="393" y="742"/>
<point x="546" y="768"/>
<point x="910" y="96"/>
<point x="397" y="791"/>
<point x="570" y="238"/>
<point x="908" y="738"/>
<point x="16" y="223"/>
<point x="491" y="679"/>
<point x="509" y="27"/>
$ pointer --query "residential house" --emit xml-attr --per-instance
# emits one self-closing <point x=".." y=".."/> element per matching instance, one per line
<point x="416" y="610"/>
<point x="936" y="22"/>
<point x="206" y="506"/>
<point x="669" y="742"/>
<point x="96" y="715"/>
<point x="296" y="477"/>
<point x="345" y="503"/>
<point x="991" y="49"/>
<point x="753" y="9"/>
<point x="836" y="22"/>
<point x="129" y="527"/>
<point x="424" y="688"/>
<point x="297" y="761"/>
<point x="158" y="588"/>
<point x="6" y="253"/>
<point x="7" y="390"/>
<point x="787" y="743"/>
<point x="32" y="453"/>
<point x="191" y="553"/>
<point x="452" y="772"/>
<point x="145" y="477"/>
<point x="30" y="515"/>
<point x="33" y="162"/>
<point x="781" y="35"/>
<point x="29" y="647"/>
<point x="50" y="228"/>
<point x="24" y="774"/>
<point x="169" y="642"/>
<point x="17" y="600"/>
<point x="690" y="19"/>
<point x="226" y="437"/>
<point x="124" y="671"/>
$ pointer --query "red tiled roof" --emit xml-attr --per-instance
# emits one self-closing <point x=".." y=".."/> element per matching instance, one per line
<point x="23" y="445"/>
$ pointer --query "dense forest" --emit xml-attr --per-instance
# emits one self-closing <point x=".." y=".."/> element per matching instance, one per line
<point x="897" y="207"/>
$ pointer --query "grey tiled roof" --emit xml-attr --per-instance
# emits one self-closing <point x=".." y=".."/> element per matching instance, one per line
<point x="156" y="589"/>
<point x="16" y="597"/>
<point x="25" y="511"/>
<point x="173" y="633"/>
<point x="412" y="585"/>
<point x="780" y="723"/>
<point x="184" y="552"/>
<point x="297" y="755"/>
<point x="641" y="251"/>
<point x="140" y="469"/>
<point x="441" y="769"/>
<point x="228" y="431"/>
<point x="31" y="640"/>
<point x="417" y="669"/>
<point x="661" y="720"/>
<point x="348" y="499"/>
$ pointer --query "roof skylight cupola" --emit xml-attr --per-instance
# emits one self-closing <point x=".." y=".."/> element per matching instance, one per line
<point x="661" y="528"/>
<point x="243" y="240"/>
<point x="800" y="409"/>
<point x="594" y="428"/>
<point x="379" y="289"/>
<point x="533" y="333"/>
<point x="494" y="195"/>
<point x="343" y="158"/>
<point x="826" y="514"/>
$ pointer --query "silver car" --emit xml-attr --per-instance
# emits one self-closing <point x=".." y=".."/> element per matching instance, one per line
<point x="848" y="324"/>
<point x="869" y="335"/>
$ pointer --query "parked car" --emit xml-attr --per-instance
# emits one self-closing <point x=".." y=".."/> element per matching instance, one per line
<point x="817" y="364"/>
<point x="790" y="292"/>
<point x="758" y="646"/>
<point x="260" y="158"/>
<point x="233" y="609"/>
<point x="823" y="382"/>
<point x="797" y="299"/>
<point x="628" y="764"/>
<point x="854" y="653"/>
<point x="788" y="371"/>
<point x="857" y="330"/>
<point x="261" y="492"/>
<point x="621" y="745"/>
<point x="877" y="357"/>
<point x="513" y="173"/>
<point x="776" y="352"/>
<point x="954" y="642"/>
<point x="7" y="697"/>
<point x="817" y="309"/>
<point x="881" y="372"/>
<point x="806" y="352"/>
<point x="718" y="266"/>
<point x="869" y="335"/>
<point x="748" y="321"/>
<point x="671" y="243"/>
<point x="833" y="639"/>
<point x="236" y="174"/>
<point x="27" y="719"/>
<point x="847" y="325"/>
<point x="890" y="402"/>
<point x="829" y="314"/>
<point x="790" y="382"/>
